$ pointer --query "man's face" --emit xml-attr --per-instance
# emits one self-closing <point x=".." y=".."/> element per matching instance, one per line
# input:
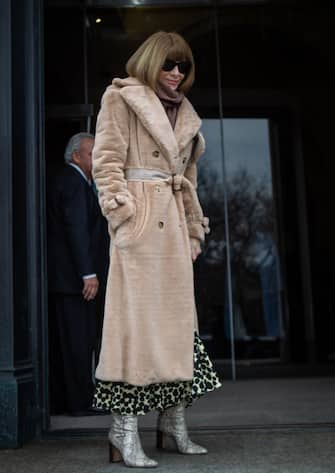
<point x="83" y="156"/>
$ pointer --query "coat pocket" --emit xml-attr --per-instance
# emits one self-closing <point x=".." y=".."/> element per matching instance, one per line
<point x="132" y="229"/>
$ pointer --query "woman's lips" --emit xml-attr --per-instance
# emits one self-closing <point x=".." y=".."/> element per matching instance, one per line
<point x="172" y="82"/>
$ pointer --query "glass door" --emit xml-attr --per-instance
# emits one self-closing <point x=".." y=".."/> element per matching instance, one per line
<point x="239" y="282"/>
<point x="254" y="256"/>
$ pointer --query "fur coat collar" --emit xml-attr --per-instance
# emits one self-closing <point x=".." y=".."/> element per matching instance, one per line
<point x="146" y="105"/>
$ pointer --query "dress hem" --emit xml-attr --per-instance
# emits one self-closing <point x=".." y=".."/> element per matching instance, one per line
<point x="123" y="398"/>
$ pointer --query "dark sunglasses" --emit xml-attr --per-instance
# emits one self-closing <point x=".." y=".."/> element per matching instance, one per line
<point x="183" y="66"/>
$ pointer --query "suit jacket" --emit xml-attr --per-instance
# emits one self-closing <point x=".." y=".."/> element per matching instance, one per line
<point x="77" y="233"/>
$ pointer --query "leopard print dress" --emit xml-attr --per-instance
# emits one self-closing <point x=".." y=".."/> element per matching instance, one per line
<point x="123" y="398"/>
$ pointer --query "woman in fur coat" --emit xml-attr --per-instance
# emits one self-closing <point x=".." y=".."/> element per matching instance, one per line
<point x="144" y="164"/>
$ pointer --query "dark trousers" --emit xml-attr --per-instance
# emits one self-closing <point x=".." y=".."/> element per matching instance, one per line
<point x="72" y="335"/>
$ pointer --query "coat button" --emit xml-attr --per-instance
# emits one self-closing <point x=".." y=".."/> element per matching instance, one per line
<point x="184" y="160"/>
<point x="175" y="157"/>
<point x="161" y="224"/>
<point x="157" y="188"/>
<point x="155" y="153"/>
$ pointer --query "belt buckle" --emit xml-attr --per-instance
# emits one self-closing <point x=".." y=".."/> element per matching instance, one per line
<point x="176" y="183"/>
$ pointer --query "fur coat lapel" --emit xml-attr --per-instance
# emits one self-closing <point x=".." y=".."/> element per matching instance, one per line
<point x="149" y="110"/>
<point x="187" y="125"/>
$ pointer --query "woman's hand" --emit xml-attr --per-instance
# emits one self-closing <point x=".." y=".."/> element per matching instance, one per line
<point x="195" y="248"/>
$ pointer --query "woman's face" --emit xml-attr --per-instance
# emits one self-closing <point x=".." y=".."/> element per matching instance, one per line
<point x="171" y="79"/>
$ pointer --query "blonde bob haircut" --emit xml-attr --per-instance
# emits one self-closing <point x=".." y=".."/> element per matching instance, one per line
<point x="147" y="61"/>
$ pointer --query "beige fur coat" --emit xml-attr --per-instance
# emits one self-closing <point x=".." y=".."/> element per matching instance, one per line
<point x="149" y="320"/>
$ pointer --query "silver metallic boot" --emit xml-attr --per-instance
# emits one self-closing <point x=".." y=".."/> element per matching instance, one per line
<point x="172" y="423"/>
<point x="125" y="443"/>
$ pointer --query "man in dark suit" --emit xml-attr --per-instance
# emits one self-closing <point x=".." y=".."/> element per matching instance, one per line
<point x="77" y="269"/>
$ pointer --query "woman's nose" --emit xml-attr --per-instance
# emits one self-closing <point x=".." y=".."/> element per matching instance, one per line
<point x="175" y="71"/>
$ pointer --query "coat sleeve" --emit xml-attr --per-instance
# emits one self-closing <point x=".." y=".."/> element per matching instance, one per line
<point x="196" y="222"/>
<point x="109" y="157"/>
<point x="76" y="225"/>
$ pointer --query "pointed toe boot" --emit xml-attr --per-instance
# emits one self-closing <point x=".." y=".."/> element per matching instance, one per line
<point x="125" y="443"/>
<point x="171" y="423"/>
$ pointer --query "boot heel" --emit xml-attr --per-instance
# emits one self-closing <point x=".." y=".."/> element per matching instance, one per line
<point x="161" y="439"/>
<point x="114" y="454"/>
<point x="125" y="443"/>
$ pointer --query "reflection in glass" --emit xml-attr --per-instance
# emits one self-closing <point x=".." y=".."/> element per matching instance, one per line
<point x="254" y="258"/>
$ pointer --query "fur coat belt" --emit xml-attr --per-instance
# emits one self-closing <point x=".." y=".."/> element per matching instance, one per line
<point x="178" y="182"/>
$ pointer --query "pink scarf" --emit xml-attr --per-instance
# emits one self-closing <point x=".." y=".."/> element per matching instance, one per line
<point x="171" y="100"/>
